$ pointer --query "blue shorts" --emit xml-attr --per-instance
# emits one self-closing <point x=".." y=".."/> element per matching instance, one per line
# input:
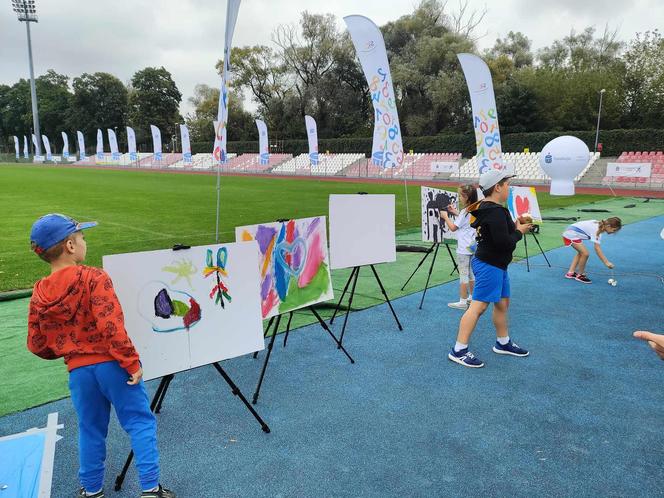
<point x="491" y="283"/>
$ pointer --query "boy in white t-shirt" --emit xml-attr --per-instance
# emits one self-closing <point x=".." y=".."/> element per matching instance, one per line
<point x="591" y="230"/>
<point x="466" y="244"/>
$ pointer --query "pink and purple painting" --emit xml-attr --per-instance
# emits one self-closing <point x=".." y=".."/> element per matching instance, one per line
<point x="294" y="266"/>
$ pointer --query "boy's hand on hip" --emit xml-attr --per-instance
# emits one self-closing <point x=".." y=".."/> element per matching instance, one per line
<point x="135" y="378"/>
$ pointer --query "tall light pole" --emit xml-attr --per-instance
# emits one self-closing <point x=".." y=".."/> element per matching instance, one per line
<point x="27" y="12"/>
<point x="599" y="113"/>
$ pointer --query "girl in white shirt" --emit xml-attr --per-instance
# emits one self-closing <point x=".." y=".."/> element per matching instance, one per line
<point x="591" y="230"/>
<point x="466" y="244"/>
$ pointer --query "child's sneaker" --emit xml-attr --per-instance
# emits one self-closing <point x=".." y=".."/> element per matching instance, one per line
<point x="510" y="348"/>
<point x="581" y="277"/>
<point x="465" y="358"/>
<point x="83" y="494"/>
<point x="570" y="274"/>
<point x="461" y="304"/>
<point x="160" y="493"/>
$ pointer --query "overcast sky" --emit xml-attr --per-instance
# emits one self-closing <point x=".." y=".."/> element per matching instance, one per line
<point x="186" y="36"/>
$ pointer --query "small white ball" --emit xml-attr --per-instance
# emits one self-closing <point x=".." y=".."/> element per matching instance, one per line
<point x="614" y="283"/>
<point x="611" y="281"/>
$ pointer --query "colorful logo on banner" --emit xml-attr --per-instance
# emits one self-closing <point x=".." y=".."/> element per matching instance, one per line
<point x="387" y="146"/>
<point x="218" y="153"/>
<point x="113" y="143"/>
<point x="487" y="139"/>
<point x="47" y="147"/>
<point x="131" y="144"/>
<point x="186" y="145"/>
<point x="156" y="142"/>
<point x="485" y="116"/>
<point x="81" y="146"/>
<point x="65" y="147"/>
<point x="100" y="144"/>
<point x="386" y="122"/>
<point x="312" y="136"/>
<point x="263" y="143"/>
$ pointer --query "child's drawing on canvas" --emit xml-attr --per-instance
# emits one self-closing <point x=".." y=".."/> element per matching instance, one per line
<point x="434" y="201"/>
<point x="294" y="263"/>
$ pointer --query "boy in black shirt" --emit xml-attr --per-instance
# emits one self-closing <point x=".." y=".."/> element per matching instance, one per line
<point x="497" y="236"/>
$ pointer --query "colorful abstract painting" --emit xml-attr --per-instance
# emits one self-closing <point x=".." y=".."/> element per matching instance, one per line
<point x="523" y="200"/>
<point x="435" y="201"/>
<point x="294" y="266"/>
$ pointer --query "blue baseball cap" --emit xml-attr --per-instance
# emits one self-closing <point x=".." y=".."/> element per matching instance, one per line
<point x="53" y="228"/>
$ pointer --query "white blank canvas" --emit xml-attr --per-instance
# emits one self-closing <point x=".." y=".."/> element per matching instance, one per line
<point x="361" y="230"/>
<point x="172" y="311"/>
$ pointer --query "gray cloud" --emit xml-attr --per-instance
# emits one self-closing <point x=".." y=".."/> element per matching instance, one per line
<point x="186" y="36"/>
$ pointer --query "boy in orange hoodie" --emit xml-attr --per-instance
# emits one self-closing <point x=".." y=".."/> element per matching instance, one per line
<point x="74" y="313"/>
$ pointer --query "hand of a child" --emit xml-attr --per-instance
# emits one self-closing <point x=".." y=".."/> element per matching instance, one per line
<point x="656" y="341"/>
<point x="135" y="378"/>
<point x="452" y="210"/>
<point x="443" y="214"/>
<point x="523" y="227"/>
<point x="609" y="265"/>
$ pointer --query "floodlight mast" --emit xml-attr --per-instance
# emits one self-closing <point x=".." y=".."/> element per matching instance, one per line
<point x="26" y="11"/>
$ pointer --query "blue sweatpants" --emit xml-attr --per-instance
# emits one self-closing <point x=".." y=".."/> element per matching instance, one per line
<point x="94" y="389"/>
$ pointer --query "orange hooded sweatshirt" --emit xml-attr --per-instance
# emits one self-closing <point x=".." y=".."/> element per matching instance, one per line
<point x="74" y="313"/>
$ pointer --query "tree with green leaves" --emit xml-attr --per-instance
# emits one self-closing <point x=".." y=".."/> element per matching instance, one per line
<point x="643" y="104"/>
<point x="516" y="47"/>
<point x="205" y="101"/>
<point x="54" y="102"/>
<point x="99" y="101"/>
<point x="430" y="88"/>
<point x="154" y="99"/>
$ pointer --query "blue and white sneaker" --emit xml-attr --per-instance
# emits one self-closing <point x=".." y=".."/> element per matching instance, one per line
<point x="510" y="348"/>
<point x="465" y="358"/>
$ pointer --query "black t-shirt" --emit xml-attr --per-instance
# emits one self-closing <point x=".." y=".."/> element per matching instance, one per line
<point x="497" y="235"/>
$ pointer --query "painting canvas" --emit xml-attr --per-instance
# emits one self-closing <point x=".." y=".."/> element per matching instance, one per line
<point x="294" y="266"/>
<point x="524" y="200"/>
<point x="191" y="307"/>
<point x="361" y="230"/>
<point x="434" y="201"/>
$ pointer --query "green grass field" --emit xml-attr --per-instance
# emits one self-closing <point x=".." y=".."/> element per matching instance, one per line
<point x="143" y="210"/>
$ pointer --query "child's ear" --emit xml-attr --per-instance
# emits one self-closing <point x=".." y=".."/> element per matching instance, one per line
<point x="70" y="245"/>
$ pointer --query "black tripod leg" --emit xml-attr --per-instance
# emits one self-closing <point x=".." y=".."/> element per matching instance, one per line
<point x="525" y="243"/>
<point x="387" y="299"/>
<point x="327" y="329"/>
<point x="168" y="378"/>
<point x="352" y="274"/>
<point x="267" y="358"/>
<point x="350" y="306"/>
<point x="236" y="391"/>
<point x="456" y="267"/>
<point x="542" y="250"/>
<point x="426" y="255"/>
<point x="267" y="330"/>
<point x="426" y="285"/>
<point x="156" y="399"/>
<point x="290" y="317"/>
